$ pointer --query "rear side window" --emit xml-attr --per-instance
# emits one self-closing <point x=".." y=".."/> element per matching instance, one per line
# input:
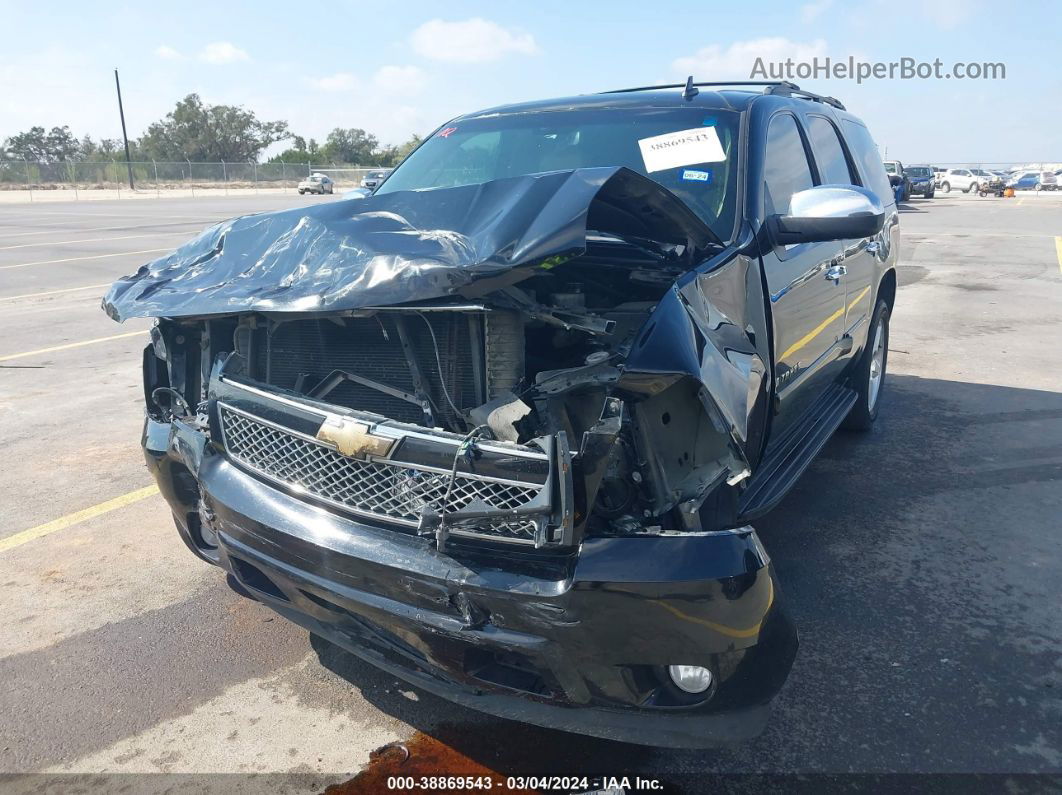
<point x="829" y="153"/>
<point x="865" y="152"/>
<point x="786" y="169"/>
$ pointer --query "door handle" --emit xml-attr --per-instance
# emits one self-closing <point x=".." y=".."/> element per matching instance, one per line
<point x="835" y="272"/>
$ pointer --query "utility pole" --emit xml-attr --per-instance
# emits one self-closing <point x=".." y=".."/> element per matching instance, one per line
<point x="125" y="137"/>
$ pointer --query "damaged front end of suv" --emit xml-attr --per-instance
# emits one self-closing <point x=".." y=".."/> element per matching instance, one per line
<point x="489" y="437"/>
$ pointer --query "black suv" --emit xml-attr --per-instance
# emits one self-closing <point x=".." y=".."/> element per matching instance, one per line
<point x="501" y="427"/>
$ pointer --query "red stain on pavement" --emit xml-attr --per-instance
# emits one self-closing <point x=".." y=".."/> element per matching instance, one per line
<point x="420" y="760"/>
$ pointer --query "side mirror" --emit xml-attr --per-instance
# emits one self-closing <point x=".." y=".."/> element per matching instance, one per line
<point x="828" y="212"/>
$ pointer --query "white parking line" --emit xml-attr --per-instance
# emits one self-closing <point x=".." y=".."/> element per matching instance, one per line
<point x="80" y="259"/>
<point x="52" y="292"/>
<point x="90" y="240"/>
<point x="123" y="227"/>
<point x="21" y="217"/>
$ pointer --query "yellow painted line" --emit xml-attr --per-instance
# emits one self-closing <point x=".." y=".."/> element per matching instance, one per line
<point x="723" y="629"/>
<point x="859" y="297"/>
<point x="1058" y="251"/>
<point x="18" y="539"/>
<point x="81" y="259"/>
<point x="800" y="343"/>
<point x="69" y="345"/>
<point x="90" y="240"/>
<point x="53" y="292"/>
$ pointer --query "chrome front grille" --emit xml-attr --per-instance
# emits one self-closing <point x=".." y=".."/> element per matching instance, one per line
<point x="385" y="491"/>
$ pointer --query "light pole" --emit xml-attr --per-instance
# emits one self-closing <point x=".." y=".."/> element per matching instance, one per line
<point x="121" y="113"/>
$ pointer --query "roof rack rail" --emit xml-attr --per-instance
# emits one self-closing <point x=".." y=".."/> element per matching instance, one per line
<point x="778" y="88"/>
<point x="786" y="89"/>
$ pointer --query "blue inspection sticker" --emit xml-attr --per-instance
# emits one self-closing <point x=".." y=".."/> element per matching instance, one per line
<point x="693" y="175"/>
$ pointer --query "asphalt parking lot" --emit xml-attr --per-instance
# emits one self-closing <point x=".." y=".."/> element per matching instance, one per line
<point x="921" y="562"/>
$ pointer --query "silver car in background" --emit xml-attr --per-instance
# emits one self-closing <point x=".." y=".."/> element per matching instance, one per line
<point x="317" y="183"/>
<point x="372" y="179"/>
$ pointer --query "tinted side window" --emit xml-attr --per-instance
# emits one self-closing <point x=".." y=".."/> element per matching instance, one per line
<point x="829" y="154"/>
<point x="865" y="152"/>
<point x="786" y="168"/>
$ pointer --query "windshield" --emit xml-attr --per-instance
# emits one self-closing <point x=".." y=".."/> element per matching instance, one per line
<point x="702" y="173"/>
<point x="979" y="172"/>
<point x="376" y="175"/>
<point x="918" y="171"/>
<point x="890" y="168"/>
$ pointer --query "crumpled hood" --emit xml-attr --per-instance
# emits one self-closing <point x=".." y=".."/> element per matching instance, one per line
<point x="400" y="247"/>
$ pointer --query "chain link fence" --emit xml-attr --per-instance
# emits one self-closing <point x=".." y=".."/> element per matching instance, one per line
<point x="77" y="180"/>
<point x="110" y="179"/>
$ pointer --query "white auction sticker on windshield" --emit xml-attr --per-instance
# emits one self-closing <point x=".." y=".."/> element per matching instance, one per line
<point x="682" y="148"/>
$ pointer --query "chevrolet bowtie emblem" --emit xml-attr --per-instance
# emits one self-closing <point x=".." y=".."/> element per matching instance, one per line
<point x="353" y="438"/>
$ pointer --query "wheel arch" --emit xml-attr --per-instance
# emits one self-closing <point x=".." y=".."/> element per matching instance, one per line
<point x="887" y="288"/>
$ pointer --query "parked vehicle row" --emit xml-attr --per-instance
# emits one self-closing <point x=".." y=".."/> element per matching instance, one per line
<point x="321" y="183"/>
<point x="925" y="180"/>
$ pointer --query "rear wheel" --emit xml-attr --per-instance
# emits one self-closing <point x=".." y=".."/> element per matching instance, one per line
<point x="869" y="376"/>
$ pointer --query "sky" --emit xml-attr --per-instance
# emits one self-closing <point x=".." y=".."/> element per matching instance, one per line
<point x="398" y="69"/>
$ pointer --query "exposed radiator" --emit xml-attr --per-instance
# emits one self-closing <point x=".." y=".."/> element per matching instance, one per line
<point x="300" y="354"/>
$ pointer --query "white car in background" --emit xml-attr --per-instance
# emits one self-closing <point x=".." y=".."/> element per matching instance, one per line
<point x="963" y="179"/>
<point x="372" y="179"/>
<point x="317" y="183"/>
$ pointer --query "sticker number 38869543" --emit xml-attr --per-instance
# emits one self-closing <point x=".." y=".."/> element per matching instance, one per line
<point x="682" y="148"/>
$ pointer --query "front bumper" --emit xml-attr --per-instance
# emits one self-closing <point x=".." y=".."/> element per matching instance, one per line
<point x="575" y="640"/>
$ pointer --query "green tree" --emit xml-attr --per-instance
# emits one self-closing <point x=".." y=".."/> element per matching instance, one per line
<point x="43" y="147"/>
<point x="299" y="152"/>
<point x="209" y="133"/>
<point x="391" y="156"/>
<point x="105" y="149"/>
<point x="351" y="145"/>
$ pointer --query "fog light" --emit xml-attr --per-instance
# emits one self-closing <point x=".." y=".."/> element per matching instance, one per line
<point x="690" y="678"/>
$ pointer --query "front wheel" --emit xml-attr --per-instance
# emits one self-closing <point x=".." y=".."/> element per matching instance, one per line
<point x="1038" y="187"/>
<point x="946" y="187"/>
<point x="869" y="376"/>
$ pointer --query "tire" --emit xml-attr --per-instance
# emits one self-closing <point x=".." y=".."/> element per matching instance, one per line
<point x="946" y="187"/>
<point x="301" y="192"/>
<point x="1038" y="187"/>
<point x="868" y="379"/>
<point x="930" y="194"/>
